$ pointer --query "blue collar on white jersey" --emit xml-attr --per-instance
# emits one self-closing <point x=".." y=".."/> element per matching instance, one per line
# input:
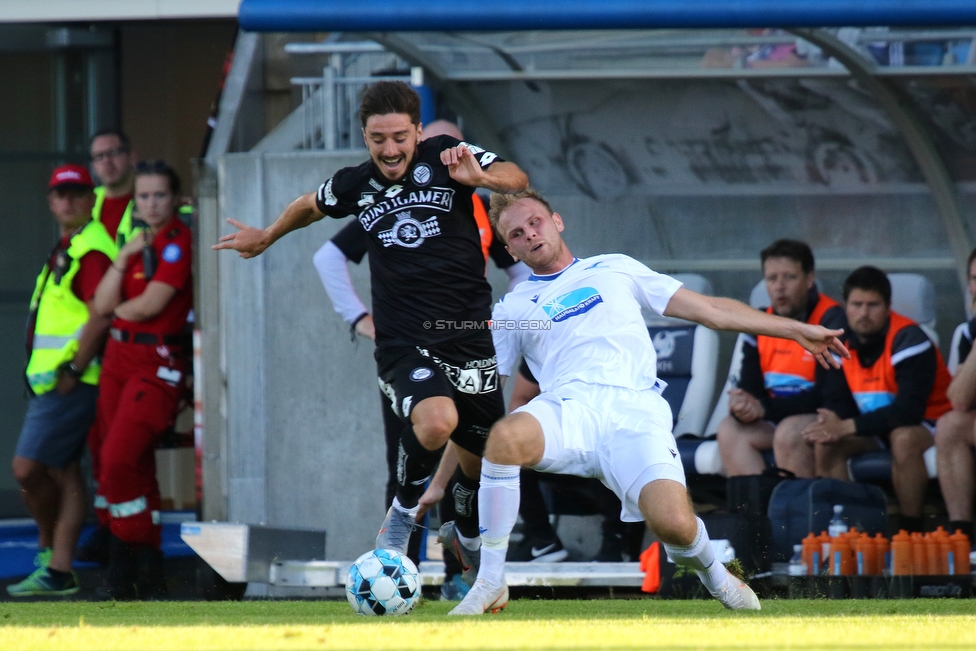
<point x="549" y="277"/>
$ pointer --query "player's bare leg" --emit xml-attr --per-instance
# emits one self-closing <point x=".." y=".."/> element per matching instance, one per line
<point x="668" y="513"/>
<point x="741" y="445"/>
<point x="908" y="473"/>
<point x="792" y="451"/>
<point x="831" y="458"/>
<point x="954" y="442"/>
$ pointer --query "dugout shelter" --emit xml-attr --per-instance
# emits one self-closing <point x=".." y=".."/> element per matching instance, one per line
<point x="688" y="136"/>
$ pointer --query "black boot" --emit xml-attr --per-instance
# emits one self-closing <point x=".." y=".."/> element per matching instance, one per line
<point x="120" y="578"/>
<point x="95" y="548"/>
<point x="150" y="574"/>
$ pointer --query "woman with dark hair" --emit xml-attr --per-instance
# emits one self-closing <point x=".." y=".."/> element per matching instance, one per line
<point x="148" y="293"/>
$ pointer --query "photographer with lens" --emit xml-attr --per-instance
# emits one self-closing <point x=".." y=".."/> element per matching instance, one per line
<point x="148" y="292"/>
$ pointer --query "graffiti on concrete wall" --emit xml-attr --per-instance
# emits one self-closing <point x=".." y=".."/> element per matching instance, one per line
<point x="608" y="140"/>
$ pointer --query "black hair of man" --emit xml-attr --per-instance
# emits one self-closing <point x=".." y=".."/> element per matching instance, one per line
<point x="112" y="131"/>
<point x="385" y="97"/>
<point x="969" y="262"/>
<point x="868" y="278"/>
<point x="794" y="250"/>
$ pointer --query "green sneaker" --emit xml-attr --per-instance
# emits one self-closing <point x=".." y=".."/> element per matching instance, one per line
<point x="41" y="584"/>
<point x="43" y="557"/>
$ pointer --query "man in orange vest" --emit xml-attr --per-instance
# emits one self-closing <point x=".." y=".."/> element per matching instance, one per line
<point x="777" y="397"/>
<point x="897" y="379"/>
<point x="955" y="432"/>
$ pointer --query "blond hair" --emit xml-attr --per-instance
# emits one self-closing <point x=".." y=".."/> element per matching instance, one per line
<point x="502" y="202"/>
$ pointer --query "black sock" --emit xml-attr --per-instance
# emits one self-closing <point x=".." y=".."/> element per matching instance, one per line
<point x="465" y="492"/>
<point x="414" y="466"/>
<point x="452" y="565"/>
<point x="966" y="526"/>
<point x="532" y="508"/>
<point x="58" y="575"/>
<point x="911" y="523"/>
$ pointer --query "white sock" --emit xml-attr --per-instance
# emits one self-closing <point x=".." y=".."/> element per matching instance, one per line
<point x="402" y="509"/>
<point x="469" y="543"/>
<point x="699" y="557"/>
<point x="498" y="504"/>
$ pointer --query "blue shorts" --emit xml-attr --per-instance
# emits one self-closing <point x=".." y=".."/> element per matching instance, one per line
<point x="56" y="426"/>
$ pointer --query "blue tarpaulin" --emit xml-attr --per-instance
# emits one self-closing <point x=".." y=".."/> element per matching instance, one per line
<point x="517" y="15"/>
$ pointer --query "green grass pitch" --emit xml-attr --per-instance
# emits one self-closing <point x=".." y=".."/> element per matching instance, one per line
<point x="525" y="624"/>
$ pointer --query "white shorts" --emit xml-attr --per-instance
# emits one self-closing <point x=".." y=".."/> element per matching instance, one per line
<point x="620" y="436"/>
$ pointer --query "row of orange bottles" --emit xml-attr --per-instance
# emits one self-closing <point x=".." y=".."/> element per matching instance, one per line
<point x="855" y="553"/>
<point x="849" y="553"/>
<point x="930" y="553"/>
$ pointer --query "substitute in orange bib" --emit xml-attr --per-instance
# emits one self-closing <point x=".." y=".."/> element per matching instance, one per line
<point x="148" y="291"/>
<point x="897" y="379"/>
<point x="777" y="394"/>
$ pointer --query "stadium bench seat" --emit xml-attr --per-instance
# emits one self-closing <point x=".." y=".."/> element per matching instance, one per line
<point x="699" y="454"/>
<point x="687" y="356"/>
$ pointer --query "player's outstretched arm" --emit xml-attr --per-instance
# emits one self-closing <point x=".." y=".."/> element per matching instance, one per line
<point x="251" y="242"/>
<point x="464" y="167"/>
<point x="727" y="314"/>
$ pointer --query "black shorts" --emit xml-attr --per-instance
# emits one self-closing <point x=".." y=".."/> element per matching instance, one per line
<point x="465" y="371"/>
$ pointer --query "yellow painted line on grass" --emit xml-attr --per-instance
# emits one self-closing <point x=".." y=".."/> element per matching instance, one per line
<point x="749" y="631"/>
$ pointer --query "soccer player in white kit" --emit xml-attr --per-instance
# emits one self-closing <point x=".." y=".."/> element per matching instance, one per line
<point x="578" y="323"/>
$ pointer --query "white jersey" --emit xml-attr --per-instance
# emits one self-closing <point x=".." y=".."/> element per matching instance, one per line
<point x="584" y="324"/>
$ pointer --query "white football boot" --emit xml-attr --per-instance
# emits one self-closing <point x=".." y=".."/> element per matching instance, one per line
<point x="736" y="595"/>
<point x="482" y="598"/>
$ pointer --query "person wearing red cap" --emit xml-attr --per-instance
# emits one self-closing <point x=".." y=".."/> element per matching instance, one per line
<point x="64" y="340"/>
<point x="148" y="293"/>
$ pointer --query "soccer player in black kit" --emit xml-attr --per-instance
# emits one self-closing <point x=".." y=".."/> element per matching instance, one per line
<point x="431" y="302"/>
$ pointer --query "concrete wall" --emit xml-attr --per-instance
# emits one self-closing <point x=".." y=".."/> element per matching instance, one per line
<point x="304" y="435"/>
<point x="304" y="440"/>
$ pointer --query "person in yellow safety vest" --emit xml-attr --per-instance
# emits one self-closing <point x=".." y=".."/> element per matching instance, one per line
<point x="113" y="162"/>
<point x="64" y="340"/>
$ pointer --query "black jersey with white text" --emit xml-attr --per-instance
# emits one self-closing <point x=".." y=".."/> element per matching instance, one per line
<point x="427" y="269"/>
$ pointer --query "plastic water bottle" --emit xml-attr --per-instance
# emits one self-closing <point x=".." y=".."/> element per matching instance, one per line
<point x="837" y="524"/>
<point x="797" y="567"/>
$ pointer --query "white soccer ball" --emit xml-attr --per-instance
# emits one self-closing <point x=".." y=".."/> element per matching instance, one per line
<point x="383" y="582"/>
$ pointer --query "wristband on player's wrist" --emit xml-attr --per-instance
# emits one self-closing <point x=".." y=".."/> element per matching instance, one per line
<point x="352" y="326"/>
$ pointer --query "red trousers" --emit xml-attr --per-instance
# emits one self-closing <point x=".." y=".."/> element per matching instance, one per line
<point x="138" y="393"/>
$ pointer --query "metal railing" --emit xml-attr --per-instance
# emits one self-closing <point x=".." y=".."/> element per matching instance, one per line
<point x="331" y="102"/>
